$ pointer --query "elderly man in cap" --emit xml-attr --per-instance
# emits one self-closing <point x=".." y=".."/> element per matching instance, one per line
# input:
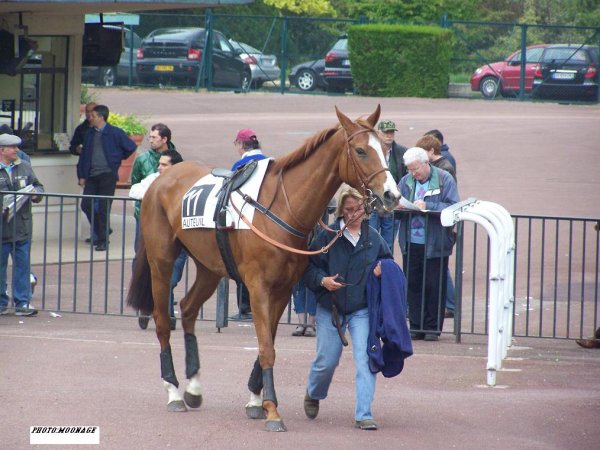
<point x="384" y="222"/>
<point x="16" y="174"/>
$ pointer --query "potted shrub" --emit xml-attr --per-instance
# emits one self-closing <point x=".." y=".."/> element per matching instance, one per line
<point x="136" y="130"/>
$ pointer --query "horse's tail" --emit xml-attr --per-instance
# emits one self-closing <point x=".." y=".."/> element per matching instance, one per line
<point x="140" y="288"/>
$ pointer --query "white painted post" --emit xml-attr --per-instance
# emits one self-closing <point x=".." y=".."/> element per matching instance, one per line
<point x="499" y="226"/>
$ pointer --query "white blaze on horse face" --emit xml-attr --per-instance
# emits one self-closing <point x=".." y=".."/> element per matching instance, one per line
<point x="390" y="184"/>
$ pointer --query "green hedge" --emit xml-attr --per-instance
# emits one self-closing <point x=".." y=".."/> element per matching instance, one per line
<point x="400" y="60"/>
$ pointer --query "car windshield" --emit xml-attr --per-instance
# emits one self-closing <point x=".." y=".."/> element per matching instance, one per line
<point x="176" y="33"/>
<point x="342" y="44"/>
<point x="244" y="47"/>
<point x="566" y="54"/>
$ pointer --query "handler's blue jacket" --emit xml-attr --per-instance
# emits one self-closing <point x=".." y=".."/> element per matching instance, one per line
<point x="116" y="145"/>
<point x="352" y="263"/>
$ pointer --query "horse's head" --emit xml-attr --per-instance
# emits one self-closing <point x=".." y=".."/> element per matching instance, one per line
<point x="363" y="164"/>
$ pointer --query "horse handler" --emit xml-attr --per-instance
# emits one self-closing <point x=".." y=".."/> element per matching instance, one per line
<point x="339" y="279"/>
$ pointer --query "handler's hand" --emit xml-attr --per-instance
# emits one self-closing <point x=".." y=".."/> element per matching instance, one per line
<point x="377" y="270"/>
<point x="82" y="182"/>
<point x="331" y="284"/>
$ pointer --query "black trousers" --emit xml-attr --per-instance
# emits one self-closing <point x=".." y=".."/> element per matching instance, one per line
<point x="426" y="296"/>
<point x="243" y="298"/>
<point x="103" y="184"/>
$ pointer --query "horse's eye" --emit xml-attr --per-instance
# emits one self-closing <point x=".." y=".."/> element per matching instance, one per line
<point x="361" y="151"/>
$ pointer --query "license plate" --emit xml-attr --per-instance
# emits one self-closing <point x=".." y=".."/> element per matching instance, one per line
<point x="163" y="68"/>
<point x="346" y="62"/>
<point x="563" y="76"/>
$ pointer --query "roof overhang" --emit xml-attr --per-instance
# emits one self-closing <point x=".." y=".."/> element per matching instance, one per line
<point x="100" y="6"/>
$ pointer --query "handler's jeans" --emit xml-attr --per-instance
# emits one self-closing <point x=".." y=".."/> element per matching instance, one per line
<point x="329" y="350"/>
<point x="21" y="283"/>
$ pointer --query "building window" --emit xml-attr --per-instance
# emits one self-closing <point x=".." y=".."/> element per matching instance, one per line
<point x="34" y="101"/>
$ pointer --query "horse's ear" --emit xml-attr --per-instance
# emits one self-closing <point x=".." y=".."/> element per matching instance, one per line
<point x="346" y="123"/>
<point x="373" y="118"/>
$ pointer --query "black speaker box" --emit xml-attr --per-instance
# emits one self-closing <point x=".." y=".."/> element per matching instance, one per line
<point x="10" y="63"/>
<point x="102" y="46"/>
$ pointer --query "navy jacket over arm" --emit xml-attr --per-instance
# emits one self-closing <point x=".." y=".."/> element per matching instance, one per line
<point x="386" y="297"/>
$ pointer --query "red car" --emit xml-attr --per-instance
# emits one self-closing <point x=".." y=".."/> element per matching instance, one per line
<point x="503" y="77"/>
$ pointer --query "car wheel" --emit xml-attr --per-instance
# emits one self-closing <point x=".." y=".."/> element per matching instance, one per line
<point x="306" y="80"/>
<point x="489" y="87"/>
<point x="107" y="77"/>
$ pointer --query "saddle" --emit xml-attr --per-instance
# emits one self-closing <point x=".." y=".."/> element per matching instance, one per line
<point x="232" y="181"/>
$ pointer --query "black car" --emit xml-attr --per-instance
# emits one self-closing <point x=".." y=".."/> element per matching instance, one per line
<point x="337" y="72"/>
<point x="309" y="75"/>
<point x="112" y="75"/>
<point x="175" y="54"/>
<point x="567" y="71"/>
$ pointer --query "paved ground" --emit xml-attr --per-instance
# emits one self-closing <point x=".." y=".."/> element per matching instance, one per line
<point x="97" y="370"/>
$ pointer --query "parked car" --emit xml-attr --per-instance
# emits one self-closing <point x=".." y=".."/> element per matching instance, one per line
<point x="308" y="76"/>
<point x="503" y="77"/>
<point x="567" y="71"/>
<point x="175" y="54"/>
<point x="263" y="67"/>
<point x="337" y="72"/>
<point x="112" y="75"/>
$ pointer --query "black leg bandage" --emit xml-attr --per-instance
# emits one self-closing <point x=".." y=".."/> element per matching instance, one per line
<point x="192" y="360"/>
<point x="255" y="383"/>
<point x="269" y="386"/>
<point x="167" y="371"/>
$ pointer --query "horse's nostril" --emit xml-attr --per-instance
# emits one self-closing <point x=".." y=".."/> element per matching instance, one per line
<point x="389" y="196"/>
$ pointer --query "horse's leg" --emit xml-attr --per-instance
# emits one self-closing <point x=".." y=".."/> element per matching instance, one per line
<point x="266" y="313"/>
<point x="204" y="286"/>
<point x="254" y="408"/>
<point x="160" y="291"/>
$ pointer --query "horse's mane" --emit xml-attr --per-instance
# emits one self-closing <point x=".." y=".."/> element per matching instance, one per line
<point x="310" y="145"/>
<point x="304" y="151"/>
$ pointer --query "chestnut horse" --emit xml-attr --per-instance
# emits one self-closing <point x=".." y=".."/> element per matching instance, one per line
<point x="297" y="187"/>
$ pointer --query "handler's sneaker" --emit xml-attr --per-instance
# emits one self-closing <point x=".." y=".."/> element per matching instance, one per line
<point x="311" y="406"/>
<point x="26" y="310"/>
<point x="366" y="424"/>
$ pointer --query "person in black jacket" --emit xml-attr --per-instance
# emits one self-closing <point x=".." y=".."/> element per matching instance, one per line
<point x="338" y="279"/>
<point x="103" y="150"/>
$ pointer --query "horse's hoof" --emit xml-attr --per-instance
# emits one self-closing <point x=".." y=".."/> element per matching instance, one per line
<point x="275" y="425"/>
<point x="176" y="406"/>
<point x="255" y="412"/>
<point x="193" y="401"/>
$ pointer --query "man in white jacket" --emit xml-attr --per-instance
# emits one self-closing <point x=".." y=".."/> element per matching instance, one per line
<point x="168" y="158"/>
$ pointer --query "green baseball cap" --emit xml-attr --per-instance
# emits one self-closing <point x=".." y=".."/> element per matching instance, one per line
<point x="387" y="125"/>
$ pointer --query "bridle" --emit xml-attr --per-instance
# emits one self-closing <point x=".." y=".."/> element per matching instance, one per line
<point x="362" y="177"/>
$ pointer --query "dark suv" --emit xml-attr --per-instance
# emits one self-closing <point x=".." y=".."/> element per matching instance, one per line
<point x="175" y="54"/>
<point x="337" y="72"/>
<point x="567" y="71"/>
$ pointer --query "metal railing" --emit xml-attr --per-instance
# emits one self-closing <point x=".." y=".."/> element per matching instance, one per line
<point x="556" y="259"/>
